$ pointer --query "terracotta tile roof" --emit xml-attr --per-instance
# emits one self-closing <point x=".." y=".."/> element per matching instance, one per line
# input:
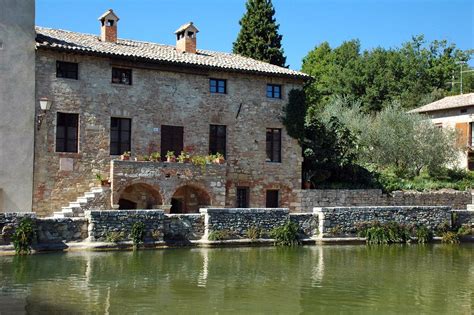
<point x="447" y="103"/>
<point x="138" y="50"/>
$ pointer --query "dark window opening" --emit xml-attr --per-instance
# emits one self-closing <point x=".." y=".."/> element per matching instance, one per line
<point x="67" y="132"/>
<point x="273" y="91"/>
<point x="272" y="199"/>
<point x="190" y="34"/>
<point x="217" y="139"/>
<point x="122" y="76"/>
<point x="68" y="70"/>
<point x="171" y="140"/>
<point x="218" y="86"/>
<point x="471" y="133"/>
<point x="273" y="145"/>
<point x="110" y="23"/>
<point x="242" y="197"/>
<point x="120" y="135"/>
<point x="464" y="110"/>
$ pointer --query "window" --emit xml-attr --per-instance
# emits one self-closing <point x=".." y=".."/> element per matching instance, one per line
<point x="217" y="86"/>
<point x="273" y="91"/>
<point x="68" y="70"/>
<point x="171" y="140"/>
<point x="66" y="132"/>
<point x="122" y="76"/>
<point x="273" y="145"/>
<point x="120" y="135"/>
<point x="470" y="161"/>
<point x="242" y="197"/>
<point x="272" y="199"/>
<point x="217" y="139"/>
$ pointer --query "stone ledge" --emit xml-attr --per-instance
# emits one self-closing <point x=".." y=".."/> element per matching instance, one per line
<point x="243" y="210"/>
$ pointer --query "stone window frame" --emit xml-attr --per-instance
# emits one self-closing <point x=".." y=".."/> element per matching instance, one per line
<point x="78" y="148"/>
<point x="121" y="71"/>
<point x="110" y="133"/>
<point x="278" y="198"/>
<point x="247" y="201"/>
<point x="271" y="93"/>
<point x="72" y="74"/>
<point x="216" y="137"/>
<point x="216" y="91"/>
<point x="270" y="146"/>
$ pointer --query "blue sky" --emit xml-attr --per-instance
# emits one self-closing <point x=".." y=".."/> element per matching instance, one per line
<point x="303" y="23"/>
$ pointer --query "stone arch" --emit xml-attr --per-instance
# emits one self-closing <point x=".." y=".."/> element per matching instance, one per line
<point x="189" y="198"/>
<point x="139" y="196"/>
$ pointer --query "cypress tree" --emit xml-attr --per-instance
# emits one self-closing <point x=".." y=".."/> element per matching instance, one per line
<point x="258" y="37"/>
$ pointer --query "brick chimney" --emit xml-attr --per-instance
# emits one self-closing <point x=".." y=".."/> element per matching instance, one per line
<point x="186" y="38"/>
<point x="108" y="28"/>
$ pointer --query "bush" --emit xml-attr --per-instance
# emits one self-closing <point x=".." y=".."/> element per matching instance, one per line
<point x="219" y="235"/>
<point x="286" y="235"/>
<point x="114" y="237"/>
<point x="378" y="233"/>
<point x="450" y="237"/>
<point x="423" y="235"/>
<point x="23" y="236"/>
<point x="138" y="233"/>
<point x="253" y="233"/>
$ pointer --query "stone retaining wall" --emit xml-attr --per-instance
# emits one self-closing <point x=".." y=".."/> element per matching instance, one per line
<point x="307" y="223"/>
<point x="9" y="221"/>
<point x="183" y="227"/>
<point x="237" y="222"/>
<point x="338" y="221"/>
<point x="461" y="217"/>
<point x="307" y="199"/>
<point x="102" y="223"/>
<point x="57" y="230"/>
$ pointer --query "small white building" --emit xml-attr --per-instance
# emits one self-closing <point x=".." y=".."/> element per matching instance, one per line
<point x="455" y="112"/>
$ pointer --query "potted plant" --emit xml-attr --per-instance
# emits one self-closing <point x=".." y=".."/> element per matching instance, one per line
<point x="125" y="156"/>
<point x="184" y="157"/>
<point x="307" y="179"/>
<point x="170" y="157"/>
<point x="219" y="158"/>
<point x="155" y="156"/>
<point x="101" y="180"/>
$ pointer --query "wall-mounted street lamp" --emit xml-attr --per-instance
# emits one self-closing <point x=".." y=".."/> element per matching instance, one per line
<point x="45" y="105"/>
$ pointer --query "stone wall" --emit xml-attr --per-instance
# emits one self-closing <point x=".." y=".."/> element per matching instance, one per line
<point x="310" y="198"/>
<point x="183" y="227"/>
<point x="237" y="222"/>
<point x="57" y="230"/>
<point x="461" y="217"/>
<point x="8" y="223"/>
<point x="159" y="97"/>
<point x="166" y="178"/>
<point x="336" y="221"/>
<point x="307" y="224"/>
<point x="102" y="223"/>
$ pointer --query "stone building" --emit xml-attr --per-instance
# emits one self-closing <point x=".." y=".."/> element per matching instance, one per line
<point x="108" y="95"/>
<point x="455" y="112"/>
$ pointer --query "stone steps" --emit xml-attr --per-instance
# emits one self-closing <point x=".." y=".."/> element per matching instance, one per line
<point x="75" y="208"/>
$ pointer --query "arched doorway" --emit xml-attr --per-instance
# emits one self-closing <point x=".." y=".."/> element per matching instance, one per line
<point x="188" y="199"/>
<point x="139" y="196"/>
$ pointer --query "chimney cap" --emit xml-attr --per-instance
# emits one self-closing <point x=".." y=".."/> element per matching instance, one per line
<point x="187" y="26"/>
<point x="108" y="14"/>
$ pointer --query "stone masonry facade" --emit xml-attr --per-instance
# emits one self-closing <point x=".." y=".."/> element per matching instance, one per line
<point x="159" y="97"/>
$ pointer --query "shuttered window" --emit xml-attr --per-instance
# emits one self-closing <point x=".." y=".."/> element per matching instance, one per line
<point x="463" y="134"/>
<point x="68" y="70"/>
<point x="273" y="145"/>
<point x="273" y="199"/>
<point x="120" y="135"/>
<point x="66" y="132"/>
<point x="171" y="140"/>
<point x="217" y="139"/>
<point x="242" y="197"/>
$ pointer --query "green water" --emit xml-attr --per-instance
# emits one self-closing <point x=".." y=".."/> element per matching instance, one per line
<point x="431" y="279"/>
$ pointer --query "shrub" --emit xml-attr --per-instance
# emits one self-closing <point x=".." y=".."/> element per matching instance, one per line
<point x="138" y="233"/>
<point x="464" y="230"/>
<point x="378" y="233"/>
<point x="23" y="236"/>
<point x="253" y="233"/>
<point x="219" y="235"/>
<point x="423" y="234"/>
<point x="450" y="237"/>
<point x="286" y="235"/>
<point x="156" y="234"/>
<point x="114" y="236"/>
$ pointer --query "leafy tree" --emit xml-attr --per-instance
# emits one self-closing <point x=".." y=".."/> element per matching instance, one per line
<point x="294" y="114"/>
<point x="413" y="75"/>
<point x="258" y="37"/>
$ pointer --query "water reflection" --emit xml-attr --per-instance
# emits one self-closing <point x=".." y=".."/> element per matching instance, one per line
<point x="329" y="279"/>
